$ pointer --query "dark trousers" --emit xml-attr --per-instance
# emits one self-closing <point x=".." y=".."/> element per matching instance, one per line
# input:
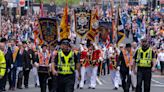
<point x="20" y="78"/>
<point x="26" y="77"/>
<point x="108" y="64"/>
<point x="104" y="68"/>
<point x="12" y="78"/>
<point x="143" y="75"/>
<point x="52" y="84"/>
<point x="43" y="77"/>
<point x="66" y="83"/>
<point x="4" y="80"/>
<point x="162" y="67"/>
<point x="126" y="80"/>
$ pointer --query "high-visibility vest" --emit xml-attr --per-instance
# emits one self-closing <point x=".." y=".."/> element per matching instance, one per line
<point x="2" y="64"/>
<point x="128" y="61"/>
<point x="66" y="64"/>
<point x="144" y="59"/>
<point x="44" y="60"/>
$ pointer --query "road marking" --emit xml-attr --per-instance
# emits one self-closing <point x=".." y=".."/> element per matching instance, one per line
<point x="157" y="85"/>
<point x="157" y="81"/>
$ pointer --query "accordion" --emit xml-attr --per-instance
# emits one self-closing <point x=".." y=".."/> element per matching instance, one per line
<point x="43" y="69"/>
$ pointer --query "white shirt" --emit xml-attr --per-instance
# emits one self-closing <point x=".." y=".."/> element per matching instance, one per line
<point x="161" y="56"/>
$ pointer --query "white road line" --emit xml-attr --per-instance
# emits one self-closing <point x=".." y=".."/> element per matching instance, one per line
<point x="157" y="85"/>
<point x="157" y="81"/>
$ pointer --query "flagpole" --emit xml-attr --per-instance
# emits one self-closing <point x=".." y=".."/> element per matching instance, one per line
<point x="113" y="21"/>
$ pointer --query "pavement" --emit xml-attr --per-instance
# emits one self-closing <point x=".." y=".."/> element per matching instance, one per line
<point x="157" y="85"/>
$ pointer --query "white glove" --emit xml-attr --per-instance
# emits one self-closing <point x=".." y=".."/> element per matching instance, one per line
<point x="36" y="64"/>
<point x="118" y="68"/>
<point x="12" y="66"/>
<point x="130" y="72"/>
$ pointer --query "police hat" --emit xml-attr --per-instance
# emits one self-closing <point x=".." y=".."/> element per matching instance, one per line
<point x="128" y="45"/>
<point x="65" y="42"/>
<point x="3" y="40"/>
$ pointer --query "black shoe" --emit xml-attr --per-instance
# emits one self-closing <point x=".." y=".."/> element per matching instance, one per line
<point x="115" y="88"/>
<point x="89" y="87"/>
<point x="26" y="86"/>
<point x="3" y="89"/>
<point x="93" y="88"/>
<point x="81" y="87"/>
<point x="133" y="89"/>
<point x="20" y="88"/>
<point x="120" y="85"/>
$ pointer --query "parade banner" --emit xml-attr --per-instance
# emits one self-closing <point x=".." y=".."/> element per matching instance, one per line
<point x="94" y="27"/>
<point x="48" y="30"/>
<point x="82" y="21"/>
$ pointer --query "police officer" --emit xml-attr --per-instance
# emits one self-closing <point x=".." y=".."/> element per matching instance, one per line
<point x="145" y="62"/>
<point x="2" y="65"/>
<point x="43" y="67"/>
<point x="65" y="63"/>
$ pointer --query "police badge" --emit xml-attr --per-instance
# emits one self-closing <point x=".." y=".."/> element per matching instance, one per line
<point x="82" y="21"/>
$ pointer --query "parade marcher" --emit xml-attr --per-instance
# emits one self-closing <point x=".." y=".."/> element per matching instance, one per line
<point x="35" y="71"/>
<point x="84" y="60"/>
<point x="124" y="65"/>
<point x="66" y="62"/>
<point x="145" y="62"/>
<point x="160" y="59"/>
<point x="43" y="67"/>
<point x="94" y="63"/>
<point x="133" y="76"/>
<point x="12" y="73"/>
<point x="20" y="65"/>
<point x="27" y="63"/>
<point x="2" y="65"/>
<point x="113" y="69"/>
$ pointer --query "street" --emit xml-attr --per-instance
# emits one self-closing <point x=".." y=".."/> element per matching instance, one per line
<point x="156" y="86"/>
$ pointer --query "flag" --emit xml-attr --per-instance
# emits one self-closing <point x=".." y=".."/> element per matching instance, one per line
<point x="64" y="32"/>
<point x="41" y="8"/>
<point x="94" y="26"/>
<point x="37" y="39"/>
<point x="120" y="31"/>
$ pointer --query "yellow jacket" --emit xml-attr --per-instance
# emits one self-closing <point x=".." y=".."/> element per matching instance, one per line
<point x="2" y="64"/>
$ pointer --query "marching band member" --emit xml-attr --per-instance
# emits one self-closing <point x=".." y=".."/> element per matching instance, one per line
<point x="43" y="67"/>
<point x="113" y="69"/>
<point x="84" y="64"/>
<point x="94" y="63"/>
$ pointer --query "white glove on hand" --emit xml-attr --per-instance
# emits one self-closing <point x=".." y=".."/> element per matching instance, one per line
<point x="12" y="66"/>
<point x="130" y="72"/>
<point x="118" y="68"/>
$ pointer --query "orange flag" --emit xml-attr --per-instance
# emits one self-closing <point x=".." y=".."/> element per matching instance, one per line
<point x="64" y="32"/>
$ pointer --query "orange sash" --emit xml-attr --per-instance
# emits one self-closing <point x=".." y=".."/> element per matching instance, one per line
<point x="44" y="60"/>
<point x="128" y="62"/>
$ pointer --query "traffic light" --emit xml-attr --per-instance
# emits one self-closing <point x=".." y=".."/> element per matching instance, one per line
<point x="28" y="3"/>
